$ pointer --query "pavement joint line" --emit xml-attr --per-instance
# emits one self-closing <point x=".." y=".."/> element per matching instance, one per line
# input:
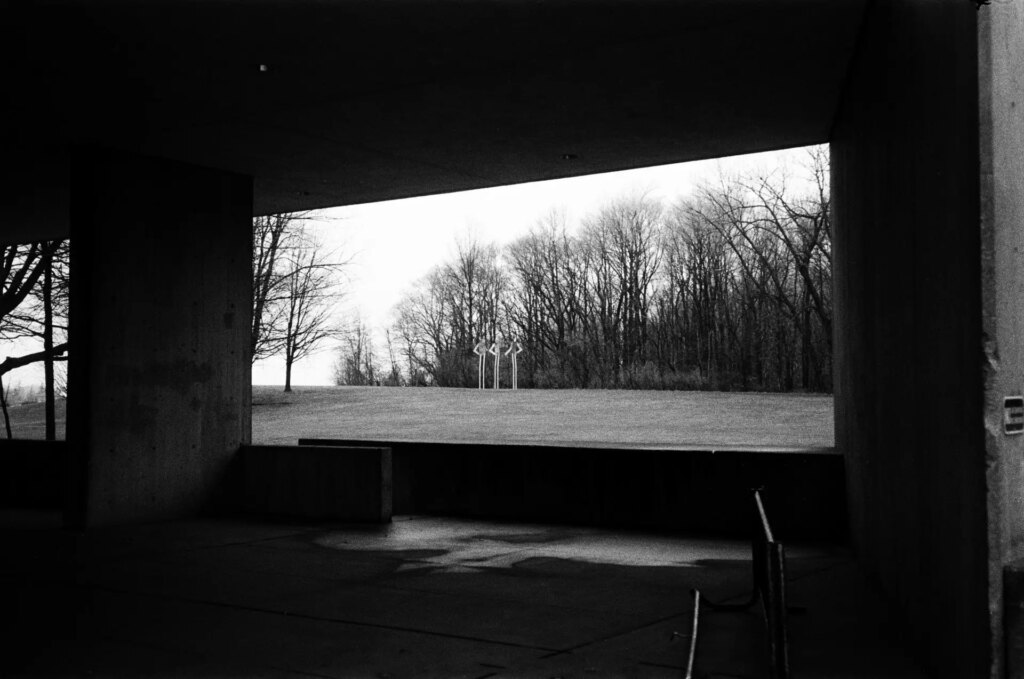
<point x="303" y="673"/>
<point x="645" y="663"/>
<point x="305" y="616"/>
<point x="609" y="637"/>
<point x="243" y="542"/>
<point x="110" y="638"/>
<point x="194" y="548"/>
<point x="789" y="580"/>
<point x="376" y="582"/>
<point x="382" y="581"/>
<point x="205" y="657"/>
<point x="136" y="643"/>
<point x="385" y="581"/>
<point x="552" y="655"/>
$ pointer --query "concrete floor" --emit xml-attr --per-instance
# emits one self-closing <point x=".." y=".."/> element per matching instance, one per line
<point x="422" y="597"/>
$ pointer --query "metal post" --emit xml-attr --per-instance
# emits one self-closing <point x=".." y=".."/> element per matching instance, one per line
<point x="776" y="610"/>
<point x="693" y="634"/>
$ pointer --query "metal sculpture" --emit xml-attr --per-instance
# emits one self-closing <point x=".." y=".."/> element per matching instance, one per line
<point x="481" y="351"/>
<point x="514" y="349"/>
<point x="495" y="350"/>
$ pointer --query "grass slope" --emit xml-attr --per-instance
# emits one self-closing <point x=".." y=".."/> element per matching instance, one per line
<point x="654" y="419"/>
<point x="28" y="420"/>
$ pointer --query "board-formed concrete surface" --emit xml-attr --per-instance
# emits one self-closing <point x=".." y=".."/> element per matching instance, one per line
<point x="422" y="597"/>
<point x="600" y="417"/>
<point x="317" y="482"/>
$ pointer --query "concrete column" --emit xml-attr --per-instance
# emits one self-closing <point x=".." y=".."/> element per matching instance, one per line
<point x="1001" y="102"/>
<point x="159" y="391"/>
<point x="909" y="383"/>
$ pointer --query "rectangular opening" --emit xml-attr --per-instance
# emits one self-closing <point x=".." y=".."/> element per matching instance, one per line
<point x="684" y="306"/>
<point x="34" y="339"/>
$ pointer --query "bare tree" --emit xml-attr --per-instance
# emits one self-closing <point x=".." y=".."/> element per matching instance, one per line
<point x="34" y="291"/>
<point x="394" y="378"/>
<point x="473" y="285"/>
<point x="273" y="235"/>
<point x="549" y="303"/>
<point x="356" y="364"/>
<point x="53" y="298"/>
<point x="781" y="240"/>
<point x="4" y="391"/>
<point x="312" y="288"/>
<point x="21" y="267"/>
<point x="423" y="325"/>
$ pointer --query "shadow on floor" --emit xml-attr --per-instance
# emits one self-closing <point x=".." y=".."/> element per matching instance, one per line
<point x="423" y="597"/>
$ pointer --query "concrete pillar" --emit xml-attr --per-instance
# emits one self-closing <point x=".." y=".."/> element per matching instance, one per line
<point x="159" y="389"/>
<point x="908" y="377"/>
<point x="1001" y="100"/>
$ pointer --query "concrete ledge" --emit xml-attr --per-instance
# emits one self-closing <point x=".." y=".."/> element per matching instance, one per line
<point x="342" y="483"/>
<point x="33" y="474"/>
<point x="699" y="491"/>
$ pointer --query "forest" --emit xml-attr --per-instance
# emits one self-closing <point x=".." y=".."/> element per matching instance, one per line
<point x="729" y="288"/>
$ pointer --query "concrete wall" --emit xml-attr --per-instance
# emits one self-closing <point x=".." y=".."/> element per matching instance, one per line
<point x="159" y="391"/>
<point x="32" y="474"/>
<point x="1001" y="103"/>
<point x="908" y="324"/>
<point x="341" y="483"/>
<point x="698" y="491"/>
<point x="34" y="196"/>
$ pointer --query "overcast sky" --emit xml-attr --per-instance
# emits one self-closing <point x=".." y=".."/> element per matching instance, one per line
<point x="395" y="243"/>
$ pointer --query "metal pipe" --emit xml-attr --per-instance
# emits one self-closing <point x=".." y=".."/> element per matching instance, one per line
<point x="764" y="518"/>
<point x="693" y="634"/>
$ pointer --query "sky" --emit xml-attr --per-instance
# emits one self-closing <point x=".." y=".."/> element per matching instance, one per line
<point x="394" y="244"/>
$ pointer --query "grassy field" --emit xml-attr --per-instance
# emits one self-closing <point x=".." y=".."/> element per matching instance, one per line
<point x="28" y="421"/>
<point x="590" y="417"/>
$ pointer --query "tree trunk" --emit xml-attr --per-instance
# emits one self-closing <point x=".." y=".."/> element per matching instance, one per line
<point x="287" y="373"/>
<point x="51" y="417"/>
<point x="3" y="405"/>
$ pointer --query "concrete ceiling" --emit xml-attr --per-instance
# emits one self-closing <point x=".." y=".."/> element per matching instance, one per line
<point x="372" y="100"/>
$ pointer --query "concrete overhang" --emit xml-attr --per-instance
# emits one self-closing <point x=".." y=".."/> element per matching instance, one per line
<point x="334" y="103"/>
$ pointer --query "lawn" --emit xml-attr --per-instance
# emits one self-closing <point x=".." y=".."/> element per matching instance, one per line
<point x="28" y="420"/>
<point x="656" y="419"/>
<point x="559" y="417"/>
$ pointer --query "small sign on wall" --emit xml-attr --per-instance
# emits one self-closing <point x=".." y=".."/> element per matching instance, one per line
<point x="1013" y="415"/>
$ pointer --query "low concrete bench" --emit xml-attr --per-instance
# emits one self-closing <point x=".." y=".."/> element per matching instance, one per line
<point x="342" y="483"/>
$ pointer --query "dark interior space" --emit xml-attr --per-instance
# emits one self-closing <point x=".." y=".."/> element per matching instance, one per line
<point x="138" y="131"/>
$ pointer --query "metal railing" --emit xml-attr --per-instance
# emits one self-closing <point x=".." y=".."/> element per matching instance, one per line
<point x="693" y="634"/>
<point x="769" y="587"/>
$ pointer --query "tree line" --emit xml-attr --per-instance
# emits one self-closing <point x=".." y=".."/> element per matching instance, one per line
<point x="728" y="289"/>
